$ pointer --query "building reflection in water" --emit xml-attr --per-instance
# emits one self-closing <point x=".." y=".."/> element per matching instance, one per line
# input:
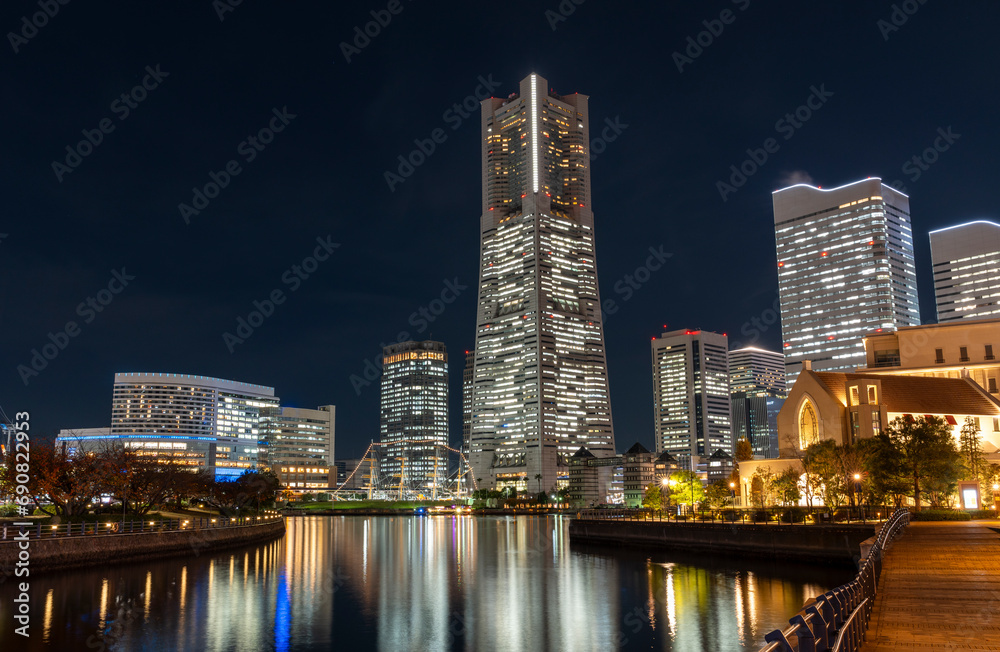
<point x="415" y="583"/>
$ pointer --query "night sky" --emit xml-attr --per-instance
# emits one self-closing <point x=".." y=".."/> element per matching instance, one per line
<point x="212" y="83"/>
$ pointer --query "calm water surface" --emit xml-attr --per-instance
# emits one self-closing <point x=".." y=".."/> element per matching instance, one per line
<point x="418" y="583"/>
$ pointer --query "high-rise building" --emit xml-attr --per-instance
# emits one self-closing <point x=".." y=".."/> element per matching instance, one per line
<point x="967" y="270"/>
<point x="691" y="395"/>
<point x="414" y="422"/>
<point x="540" y="381"/>
<point x="203" y="422"/>
<point x="845" y="269"/>
<point x="467" y="376"/>
<point x="757" y="387"/>
<point x="298" y="445"/>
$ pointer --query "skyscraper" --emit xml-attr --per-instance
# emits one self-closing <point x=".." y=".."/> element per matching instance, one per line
<point x="757" y="386"/>
<point x="691" y="395"/>
<point x="298" y="445"/>
<point x="967" y="270"/>
<point x="414" y="421"/>
<point x="845" y="269"/>
<point x="540" y="386"/>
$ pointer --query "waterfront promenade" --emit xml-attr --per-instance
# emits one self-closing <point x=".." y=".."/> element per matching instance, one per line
<point x="940" y="589"/>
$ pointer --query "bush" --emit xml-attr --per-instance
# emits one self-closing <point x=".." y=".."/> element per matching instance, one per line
<point x="794" y="515"/>
<point x="8" y="510"/>
<point x="982" y="513"/>
<point x="940" y="515"/>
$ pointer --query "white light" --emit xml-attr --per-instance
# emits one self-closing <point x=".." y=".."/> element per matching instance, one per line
<point x="958" y="226"/>
<point x="534" y="135"/>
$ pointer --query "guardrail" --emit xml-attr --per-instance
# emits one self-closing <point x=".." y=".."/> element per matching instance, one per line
<point x="838" y="619"/>
<point x="9" y="530"/>
<point x="781" y="515"/>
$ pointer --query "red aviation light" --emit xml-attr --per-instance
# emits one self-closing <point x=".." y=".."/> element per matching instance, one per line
<point x="872" y="242"/>
<point x="779" y="264"/>
<point x="823" y="255"/>
<point x="787" y="345"/>
<point x="830" y="338"/>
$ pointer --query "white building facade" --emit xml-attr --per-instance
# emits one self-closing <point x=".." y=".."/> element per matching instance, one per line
<point x="966" y="262"/>
<point x="845" y="269"/>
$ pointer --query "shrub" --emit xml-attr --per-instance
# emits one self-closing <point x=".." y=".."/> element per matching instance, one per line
<point x="796" y="514"/>
<point x="940" y="515"/>
<point x="982" y="513"/>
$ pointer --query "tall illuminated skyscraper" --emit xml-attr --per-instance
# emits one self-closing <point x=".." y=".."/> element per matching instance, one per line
<point x="845" y="269"/>
<point x="967" y="271"/>
<point x="691" y="415"/>
<point x="414" y="421"/>
<point x="757" y="387"/>
<point x="540" y="381"/>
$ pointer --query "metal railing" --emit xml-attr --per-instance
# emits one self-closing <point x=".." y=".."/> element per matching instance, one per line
<point x="838" y="619"/>
<point x="111" y="527"/>
<point x="773" y="515"/>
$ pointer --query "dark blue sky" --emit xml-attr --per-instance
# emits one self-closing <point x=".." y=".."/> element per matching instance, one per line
<point x="219" y="82"/>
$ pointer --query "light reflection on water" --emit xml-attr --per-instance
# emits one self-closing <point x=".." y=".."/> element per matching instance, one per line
<point x="418" y="583"/>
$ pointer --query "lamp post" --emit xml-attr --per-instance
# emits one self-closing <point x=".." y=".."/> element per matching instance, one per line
<point x="857" y="492"/>
<point x="732" y="493"/>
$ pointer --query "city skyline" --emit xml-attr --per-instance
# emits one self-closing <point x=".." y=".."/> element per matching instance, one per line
<point x="106" y="246"/>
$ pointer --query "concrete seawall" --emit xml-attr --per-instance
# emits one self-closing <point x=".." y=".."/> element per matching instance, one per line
<point x="824" y="543"/>
<point x="59" y="553"/>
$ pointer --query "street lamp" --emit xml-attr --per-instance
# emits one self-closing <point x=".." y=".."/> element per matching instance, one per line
<point x="732" y="493"/>
<point x="857" y="490"/>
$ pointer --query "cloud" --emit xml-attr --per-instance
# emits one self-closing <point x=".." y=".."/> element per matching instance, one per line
<point x="792" y="178"/>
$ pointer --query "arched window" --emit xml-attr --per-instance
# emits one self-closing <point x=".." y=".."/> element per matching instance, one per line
<point x="808" y="425"/>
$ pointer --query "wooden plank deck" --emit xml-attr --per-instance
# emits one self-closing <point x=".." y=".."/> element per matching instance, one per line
<point x="940" y="590"/>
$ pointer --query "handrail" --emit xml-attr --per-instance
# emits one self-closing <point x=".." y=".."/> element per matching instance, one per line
<point x="36" y="531"/>
<point x="844" y="611"/>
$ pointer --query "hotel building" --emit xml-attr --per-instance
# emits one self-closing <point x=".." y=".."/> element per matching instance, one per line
<point x="691" y="401"/>
<point x="845" y="269"/>
<point x="540" y="380"/>
<point x="967" y="271"/>
<point x="414" y="420"/>
<point x="208" y="423"/>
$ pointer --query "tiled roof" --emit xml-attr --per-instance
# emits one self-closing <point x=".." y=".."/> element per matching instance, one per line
<point x="917" y="394"/>
<point x="583" y="452"/>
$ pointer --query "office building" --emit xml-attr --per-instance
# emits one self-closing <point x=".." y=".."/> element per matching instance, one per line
<point x="952" y="349"/>
<point x="540" y="380"/>
<point x="966" y="262"/>
<point x="202" y="422"/>
<point x="757" y="386"/>
<point x="414" y="419"/>
<point x="845" y="269"/>
<point x="298" y="446"/>
<point x="691" y="403"/>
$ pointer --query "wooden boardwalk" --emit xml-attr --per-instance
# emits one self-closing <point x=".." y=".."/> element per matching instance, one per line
<point x="940" y="590"/>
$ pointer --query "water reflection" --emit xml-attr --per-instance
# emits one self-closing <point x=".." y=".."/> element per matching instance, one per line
<point x="417" y="583"/>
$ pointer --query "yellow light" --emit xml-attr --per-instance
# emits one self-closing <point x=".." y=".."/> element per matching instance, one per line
<point x="857" y="476"/>
<point x="54" y="527"/>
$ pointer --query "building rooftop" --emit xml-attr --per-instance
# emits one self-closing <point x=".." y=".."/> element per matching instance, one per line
<point x="637" y="449"/>
<point x="917" y="394"/>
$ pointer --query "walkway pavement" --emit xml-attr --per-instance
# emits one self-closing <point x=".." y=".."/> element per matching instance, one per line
<point x="940" y="590"/>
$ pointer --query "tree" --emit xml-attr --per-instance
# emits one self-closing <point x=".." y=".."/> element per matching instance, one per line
<point x="744" y="451"/>
<point x="69" y="483"/>
<point x="717" y="494"/>
<point x="231" y="496"/>
<point x="927" y="455"/>
<point x="823" y="465"/>
<point x="140" y="481"/>
<point x="761" y="485"/>
<point x="786" y="486"/>
<point x="538" y="476"/>
<point x="685" y="488"/>
<point x="971" y="447"/>
<point x="653" y="497"/>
